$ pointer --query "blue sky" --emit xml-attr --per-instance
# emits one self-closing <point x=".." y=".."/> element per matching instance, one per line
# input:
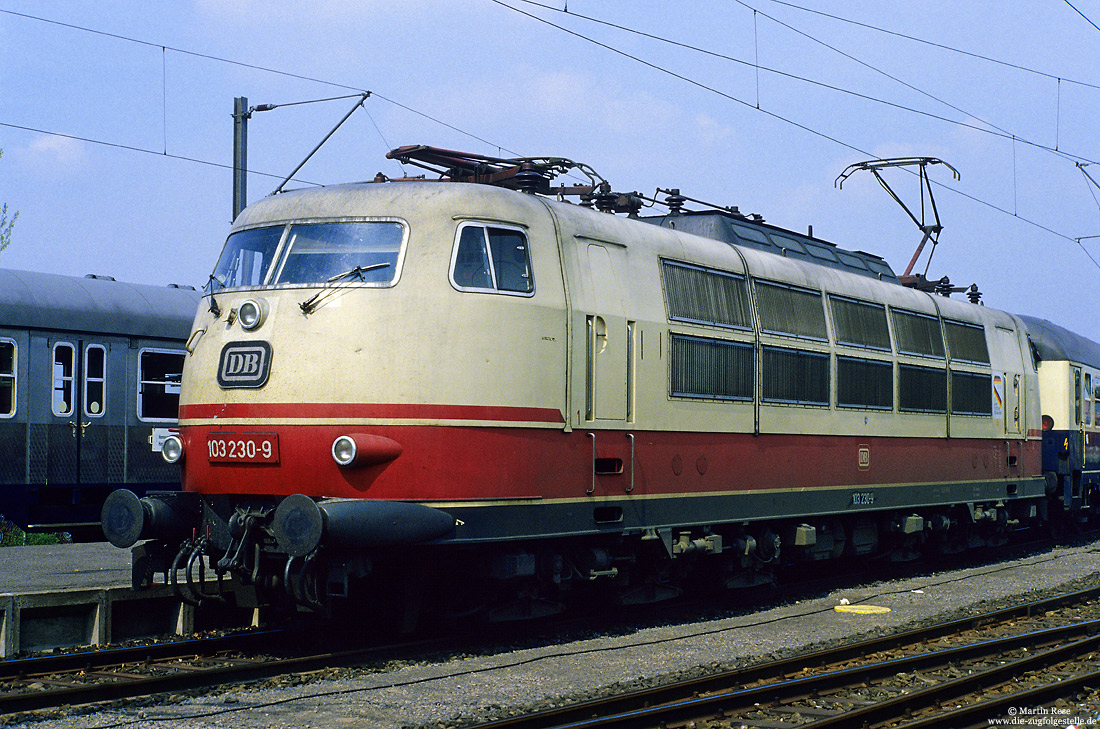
<point x="126" y="171"/>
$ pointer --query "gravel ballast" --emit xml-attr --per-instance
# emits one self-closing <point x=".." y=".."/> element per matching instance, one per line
<point x="457" y="690"/>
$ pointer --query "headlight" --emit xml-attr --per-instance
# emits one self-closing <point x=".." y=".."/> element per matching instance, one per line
<point x="172" y="449"/>
<point x="251" y="314"/>
<point x="344" y="450"/>
<point x="363" y="449"/>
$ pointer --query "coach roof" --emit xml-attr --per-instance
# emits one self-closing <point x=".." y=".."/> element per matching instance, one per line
<point x="1053" y="342"/>
<point x="31" y="300"/>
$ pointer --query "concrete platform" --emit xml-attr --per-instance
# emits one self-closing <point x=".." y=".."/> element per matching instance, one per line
<point x="63" y="567"/>
<point x="67" y="595"/>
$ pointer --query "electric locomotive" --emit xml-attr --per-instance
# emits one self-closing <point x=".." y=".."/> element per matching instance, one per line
<point x="89" y="383"/>
<point x="473" y="386"/>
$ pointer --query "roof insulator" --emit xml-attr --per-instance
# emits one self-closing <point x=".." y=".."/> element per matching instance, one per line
<point x="530" y="179"/>
<point x="675" y="201"/>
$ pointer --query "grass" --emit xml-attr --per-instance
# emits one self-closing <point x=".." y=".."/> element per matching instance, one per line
<point x="12" y="536"/>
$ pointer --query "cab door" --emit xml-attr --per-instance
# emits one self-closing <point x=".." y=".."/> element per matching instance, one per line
<point x="1008" y="401"/>
<point x="610" y="340"/>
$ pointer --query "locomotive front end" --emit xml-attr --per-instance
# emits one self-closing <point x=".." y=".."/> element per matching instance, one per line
<point x="330" y="391"/>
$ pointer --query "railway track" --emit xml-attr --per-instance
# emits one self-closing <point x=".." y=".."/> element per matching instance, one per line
<point x="988" y="665"/>
<point x="51" y="681"/>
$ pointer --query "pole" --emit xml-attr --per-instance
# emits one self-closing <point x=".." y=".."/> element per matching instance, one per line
<point x="240" y="154"/>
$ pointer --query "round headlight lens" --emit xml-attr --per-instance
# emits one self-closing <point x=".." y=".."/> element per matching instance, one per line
<point x="344" y="450"/>
<point x="250" y="314"/>
<point x="172" y="449"/>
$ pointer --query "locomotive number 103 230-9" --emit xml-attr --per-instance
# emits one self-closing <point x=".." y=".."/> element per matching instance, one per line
<point x="243" y="447"/>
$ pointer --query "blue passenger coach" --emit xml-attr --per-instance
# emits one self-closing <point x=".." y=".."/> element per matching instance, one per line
<point x="89" y="387"/>
<point x="1069" y="388"/>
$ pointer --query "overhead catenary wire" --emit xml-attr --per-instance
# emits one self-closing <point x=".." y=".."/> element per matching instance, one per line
<point x="769" y="113"/>
<point x="434" y="119"/>
<point x="230" y="61"/>
<point x="1087" y="19"/>
<point x="934" y="44"/>
<point x="142" y="150"/>
<point x="1002" y="132"/>
<point x="1014" y="139"/>
<point x="990" y="128"/>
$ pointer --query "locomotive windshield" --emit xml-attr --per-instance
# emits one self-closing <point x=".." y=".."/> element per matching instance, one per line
<point x="246" y="258"/>
<point x="313" y="253"/>
<point x="320" y="252"/>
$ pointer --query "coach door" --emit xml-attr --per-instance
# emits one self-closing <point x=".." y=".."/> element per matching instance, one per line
<point x="85" y="399"/>
<point x="610" y="335"/>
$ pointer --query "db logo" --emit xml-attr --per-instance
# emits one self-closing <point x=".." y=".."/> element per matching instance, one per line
<point x="244" y="364"/>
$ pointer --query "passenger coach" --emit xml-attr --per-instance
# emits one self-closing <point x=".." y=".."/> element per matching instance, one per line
<point x="89" y="388"/>
<point x="1069" y="388"/>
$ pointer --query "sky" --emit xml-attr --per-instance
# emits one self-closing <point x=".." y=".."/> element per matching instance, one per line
<point x="117" y="136"/>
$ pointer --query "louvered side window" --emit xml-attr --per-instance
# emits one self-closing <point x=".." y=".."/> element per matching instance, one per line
<point x="705" y="296"/>
<point x="787" y="310"/>
<point x="711" y="368"/>
<point x="859" y="324"/>
<point x="864" y="383"/>
<point x="966" y="342"/>
<point x="918" y="334"/>
<point x="922" y="389"/>
<point x="971" y="393"/>
<point x="798" y="377"/>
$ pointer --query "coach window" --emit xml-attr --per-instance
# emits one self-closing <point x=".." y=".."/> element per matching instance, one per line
<point x="64" y="362"/>
<point x="95" y="379"/>
<point x="492" y="258"/>
<point x="1077" y="395"/>
<point x="1096" y="410"/>
<point x="7" y="378"/>
<point x="1088" y="399"/>
<point x="159" y="373"/>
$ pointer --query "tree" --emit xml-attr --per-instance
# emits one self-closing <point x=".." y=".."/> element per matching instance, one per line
<point x="6" y="223"/>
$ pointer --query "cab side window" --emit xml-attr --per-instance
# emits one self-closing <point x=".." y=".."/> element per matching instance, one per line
<point x="492" y="258"/>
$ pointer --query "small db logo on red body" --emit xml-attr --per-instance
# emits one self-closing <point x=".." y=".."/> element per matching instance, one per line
<point x="865" y="458"/>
